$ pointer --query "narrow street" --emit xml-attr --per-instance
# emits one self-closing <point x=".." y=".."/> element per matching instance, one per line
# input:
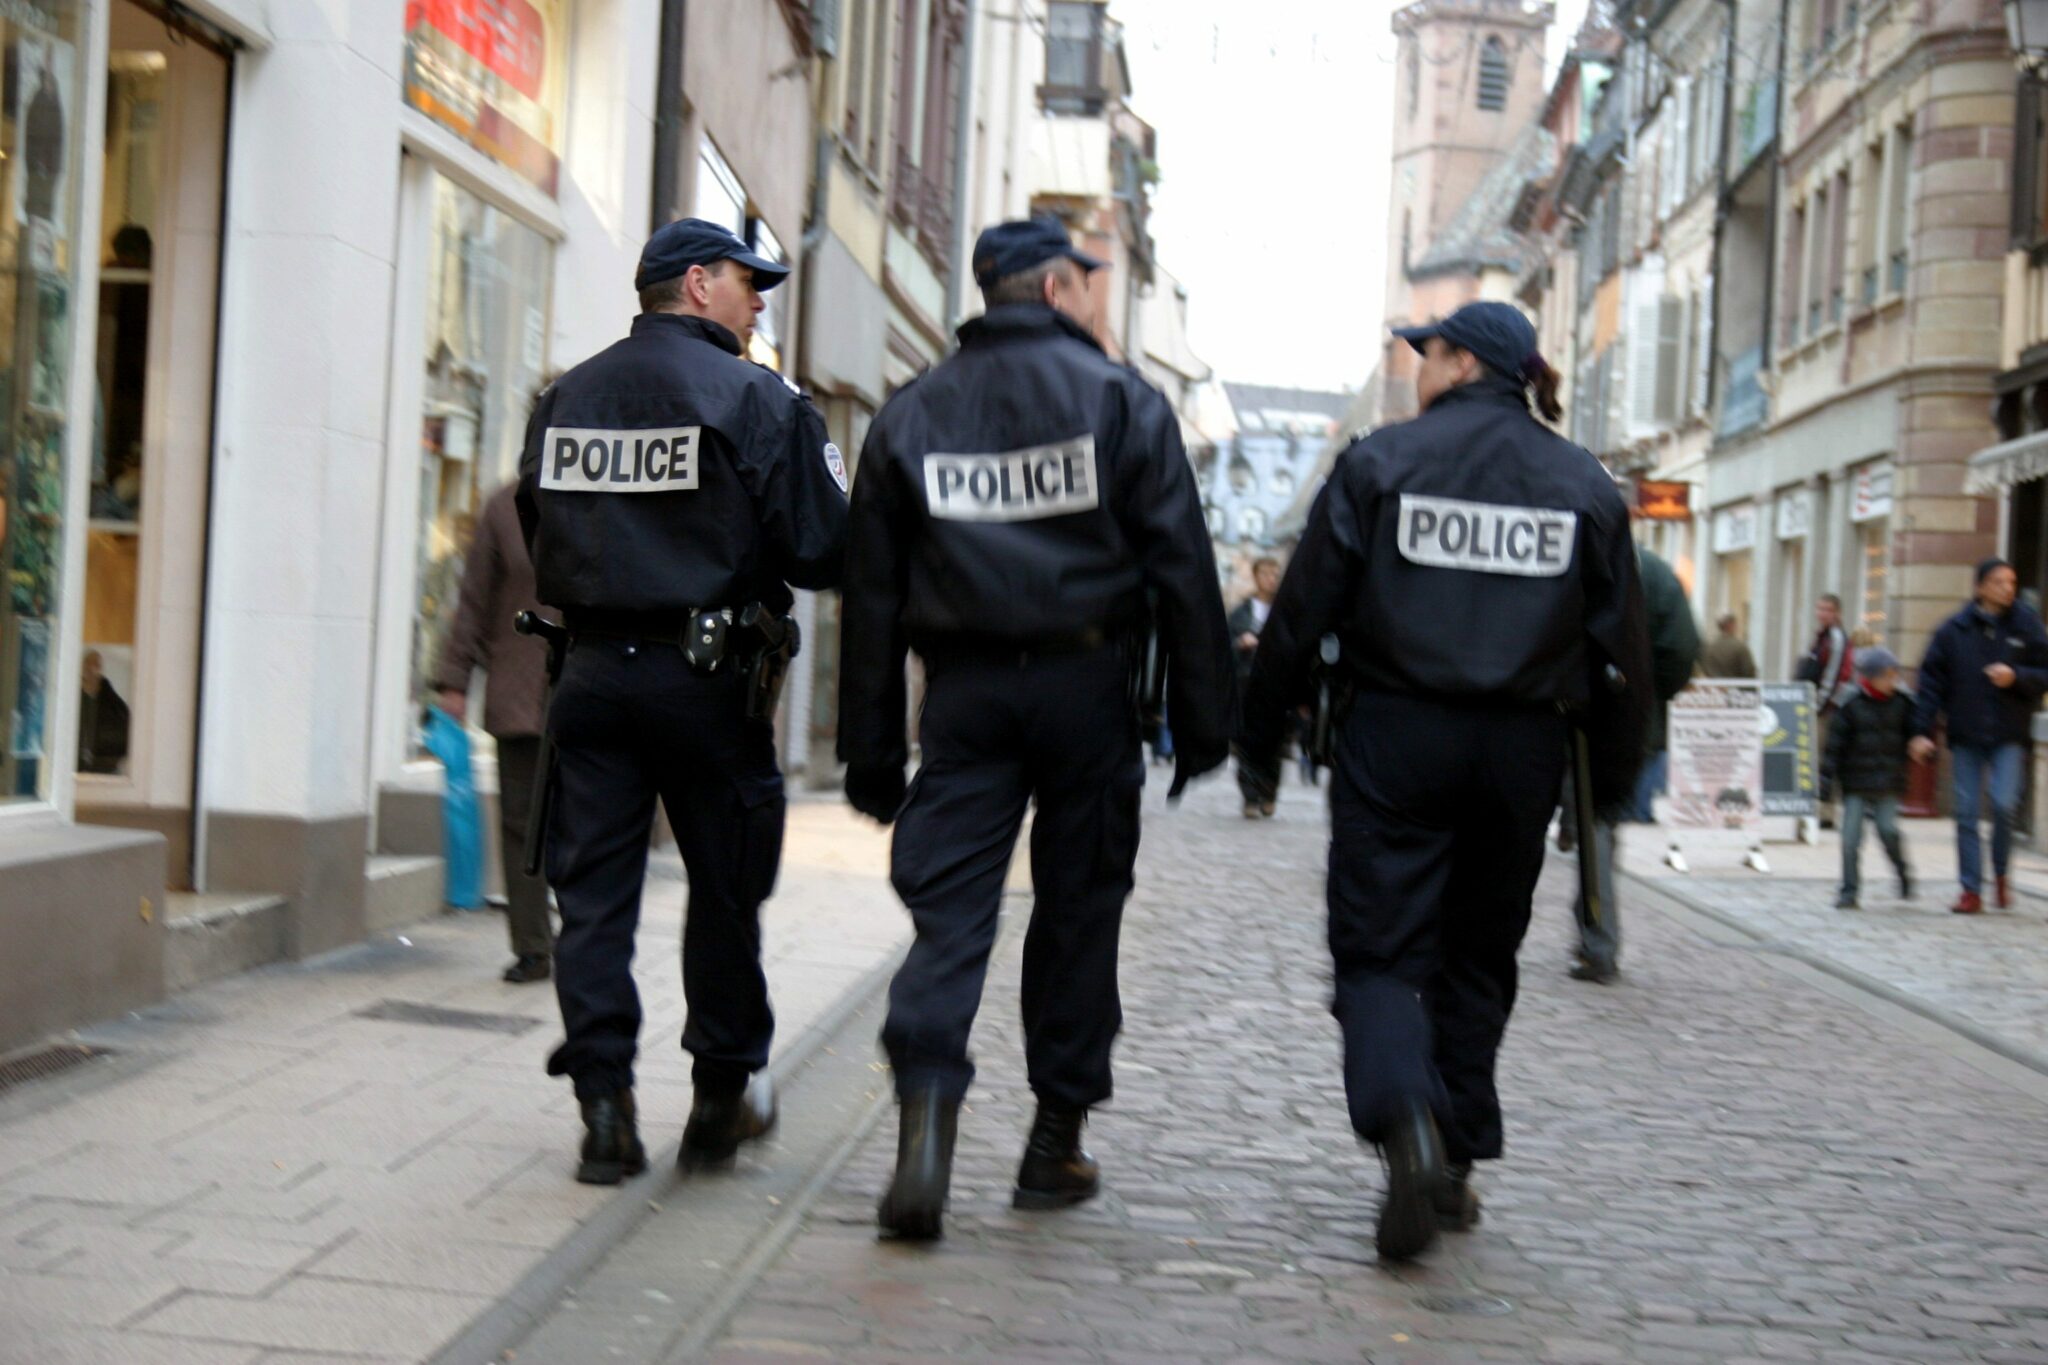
<point x="1728" y="1157"/>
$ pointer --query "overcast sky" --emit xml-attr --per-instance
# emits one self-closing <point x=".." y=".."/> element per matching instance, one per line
<point x="1272" y="209"/>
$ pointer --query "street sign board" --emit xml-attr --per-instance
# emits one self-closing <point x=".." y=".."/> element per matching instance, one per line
<point x="1717" y="754"/>
<point x="1790" y="764"/>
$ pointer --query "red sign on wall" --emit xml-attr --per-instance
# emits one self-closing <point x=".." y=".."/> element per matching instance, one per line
<point x="507" y="36"/>
<point x="491" y="70"/>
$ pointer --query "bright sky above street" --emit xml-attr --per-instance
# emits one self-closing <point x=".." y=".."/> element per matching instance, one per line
<point x="1273" y="121"/>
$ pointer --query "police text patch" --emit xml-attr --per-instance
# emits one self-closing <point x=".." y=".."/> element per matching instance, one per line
<point x="589" y="460"/>
<point x="1483" y="537"/>
<point x="1017" y="485"/>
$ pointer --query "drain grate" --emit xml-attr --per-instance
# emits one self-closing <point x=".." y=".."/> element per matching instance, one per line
<point x="440" y="1016"/>
<point x="50" y="1061"/>
<point x="1468" y="1305"/>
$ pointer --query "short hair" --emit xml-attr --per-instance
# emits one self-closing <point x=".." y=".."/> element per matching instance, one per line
<point x="663" y="295"/>
<point x="1831" y="600"/>
<point x="1024" y="286"/>
<point x="1264" y="561"/>
<point x="1727" y="619"/>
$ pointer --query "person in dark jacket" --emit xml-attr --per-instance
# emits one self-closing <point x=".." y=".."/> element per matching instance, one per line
<point x="1020" y="511"/>
<point x="1674" y="645"/>
<point x="672" y="493"/>
<point x="1477" y="571"/>
<point x="1984" y="673"/>
<point x="497" y="584"/>
<point x="1866" y="756"/>
<point x="1260" y="790"/>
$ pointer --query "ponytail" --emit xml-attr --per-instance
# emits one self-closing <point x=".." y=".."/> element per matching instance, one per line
<point x="1543" y="381"/>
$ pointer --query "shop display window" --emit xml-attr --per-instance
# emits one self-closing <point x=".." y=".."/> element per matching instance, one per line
<point x="488" y="282"/>
<point x="41" y="109"/>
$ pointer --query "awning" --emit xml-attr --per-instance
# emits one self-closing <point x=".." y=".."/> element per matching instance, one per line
<point x="1997" y="468"/>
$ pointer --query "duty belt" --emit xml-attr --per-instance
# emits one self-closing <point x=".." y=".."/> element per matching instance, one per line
<point x="701" y="633"/>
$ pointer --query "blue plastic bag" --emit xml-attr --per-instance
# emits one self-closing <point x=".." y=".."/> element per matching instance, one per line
<point x="462" y="829"/>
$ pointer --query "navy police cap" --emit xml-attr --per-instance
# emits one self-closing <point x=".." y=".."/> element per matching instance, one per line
<point x="1010" y="248"/>
<point x="677" y="246"/>
<point x="1495" y="332"/>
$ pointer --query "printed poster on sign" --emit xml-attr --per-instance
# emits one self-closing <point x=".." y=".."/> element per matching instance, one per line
<point x="1717" y="729"/>
<point x="1791" y="773"/>
<point x="492" y="70"/>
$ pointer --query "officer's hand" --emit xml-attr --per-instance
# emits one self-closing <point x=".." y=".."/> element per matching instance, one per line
<point x="876" y="789"/>
<point x="455" y="704"/>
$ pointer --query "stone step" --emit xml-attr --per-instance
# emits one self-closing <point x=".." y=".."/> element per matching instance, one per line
<point x="211" y="936"/>
<point x="401" y="889"/>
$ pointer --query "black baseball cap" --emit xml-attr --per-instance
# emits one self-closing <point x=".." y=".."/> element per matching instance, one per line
<point x="677" y="246"/>
<point x="1497" y="333"/>
<point x="1008" y="248"/>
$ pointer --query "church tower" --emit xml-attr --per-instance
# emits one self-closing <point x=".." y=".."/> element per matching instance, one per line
<point x="1468" y="83"/>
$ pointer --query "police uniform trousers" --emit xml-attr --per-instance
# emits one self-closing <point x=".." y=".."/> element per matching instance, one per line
<point x="632" y="722"/>
<point x="1437" y="817"/>
<point x="996" y="732"/>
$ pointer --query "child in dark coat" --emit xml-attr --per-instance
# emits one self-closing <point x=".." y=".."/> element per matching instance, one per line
<point x="1867" y="756"/>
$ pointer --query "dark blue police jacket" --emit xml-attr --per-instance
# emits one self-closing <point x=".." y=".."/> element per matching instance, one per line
<point x="1470" y="554"/>
<point x="666" y="473"/>
<point x="1028" y="488"/>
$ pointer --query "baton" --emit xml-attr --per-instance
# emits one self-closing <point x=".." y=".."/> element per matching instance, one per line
<point x="539" y="805"/>
<point x="1591" y="911"/>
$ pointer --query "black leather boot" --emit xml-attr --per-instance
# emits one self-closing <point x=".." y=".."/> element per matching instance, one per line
<point x="611" y="1141"/>
<point x="720" y="1120"/>
<point x="1056" y="1171"/>
<point x="915" y="1205"/>
<point x="1457" y="1203"/>
<point x="1414" y="1156"/>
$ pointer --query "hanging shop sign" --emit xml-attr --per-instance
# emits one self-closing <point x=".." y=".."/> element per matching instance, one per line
<point x="1734" y="530"/>
<point x="492" y="70"/>
<point x="1795" y="515"/>
<point x="1871" y="497"/>
<point x="1664" y="499"/>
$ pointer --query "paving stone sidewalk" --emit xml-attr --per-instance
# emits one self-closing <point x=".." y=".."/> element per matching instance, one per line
<point x="1716" y="1161"/>
<point x="261" y="1174"/>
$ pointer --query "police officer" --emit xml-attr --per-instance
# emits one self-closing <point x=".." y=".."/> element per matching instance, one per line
<point x="670" y="492"/>
<point x="1477" y="571"/>
<point x="1014" y="511"/>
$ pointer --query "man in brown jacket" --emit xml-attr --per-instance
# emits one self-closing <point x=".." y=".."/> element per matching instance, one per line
<point x="497" y="584"/>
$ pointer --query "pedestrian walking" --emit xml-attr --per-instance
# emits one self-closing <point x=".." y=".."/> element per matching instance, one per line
<point x="1015" y="510"/>
<point x="1727" y="654"/>
<point x="1477" y="570"/>
<point x="1829" y="664"/>
<point x="671" y="492"/>
<point x="497" y="584"/>
<point x="1983" y="675"/>
<point x="1866" y="757"/>
<point x="1260" y="790"/>
<point x="1674" y="646"/>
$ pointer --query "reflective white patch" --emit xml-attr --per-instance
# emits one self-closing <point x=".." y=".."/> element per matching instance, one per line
<point x="590" y="460"/>
<point x="836" y="462"/>
<point x="1017" y="485"/>
<point x="1482" y="537"/>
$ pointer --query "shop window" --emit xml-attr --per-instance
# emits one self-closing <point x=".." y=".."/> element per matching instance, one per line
<point x="487" y="326"/>
<point x="39" y="258"/>
<point x="1873" y="543"/>
<point x="113" y="555"/>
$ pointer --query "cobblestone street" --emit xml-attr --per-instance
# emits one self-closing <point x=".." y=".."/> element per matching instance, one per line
<point x="1721" y="1159"/>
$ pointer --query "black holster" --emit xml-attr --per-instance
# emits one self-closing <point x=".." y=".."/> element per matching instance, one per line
<point x="1332" y="701"/>
<point x="769" y="643"/>
<point x="541" y="806"/>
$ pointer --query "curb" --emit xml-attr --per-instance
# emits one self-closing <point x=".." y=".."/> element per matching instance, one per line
<point x="1955" y="1023"/>
<point x="495" y="1333"/>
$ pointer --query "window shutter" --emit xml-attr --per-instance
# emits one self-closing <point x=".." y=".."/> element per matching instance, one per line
<point x="1688" y="174"/>
<point x="1670" y="343"/>
<point x="1703" y="348"/>
<point x="1645" y="322"/>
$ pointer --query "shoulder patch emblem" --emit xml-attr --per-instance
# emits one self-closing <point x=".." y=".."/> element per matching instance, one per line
<point x="1484" y="537"/>
<point x="836" y="463"/>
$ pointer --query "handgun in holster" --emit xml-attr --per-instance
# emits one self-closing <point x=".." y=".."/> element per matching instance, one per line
<point x="556" y="638"/>
<point x="1148" y="681"/>
<point x="770" y="641"/>
<point x="1591" y="906"/>
<point x="1332" y="700"/>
